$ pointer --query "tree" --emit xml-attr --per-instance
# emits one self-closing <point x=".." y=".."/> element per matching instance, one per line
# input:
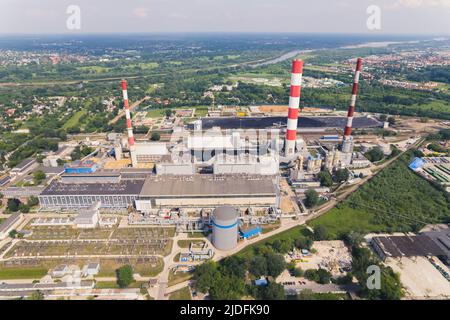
<point x="234" y="266"/>
<point x="124" y="276"/>
<point x="325" y="178"/>
<point x="168" y="112"/>
<point x="391" y="121"/>
<point x="227" y="288"/>
<point x="205" y="275"/>
<point x="312" y="198"/>
<point x="324" y="276"/>
<point x="33" y="201"/>
<point x="13" y="233"/>
<point x="155" y="136"/>
<point x="320" y="233"/>
<point x="304" y="243"/>
<point x="36" y="295"/>
<point x="13" y="204"/>
<point x="258" y="266"/>
<point x="341" y="175"/>
<point x="374" y="154"/>
<point x="39" y="176"/>
<point x="24" y="208"/>
<point x="274" y="291"/>
<point x="275" y="264"/>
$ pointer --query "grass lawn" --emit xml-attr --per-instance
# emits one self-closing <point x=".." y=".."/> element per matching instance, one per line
<point x="182" y="294"/>
<point x="106" y="285"/>
<point x="94" y="69"/>
<point x="175" y="278"/>
<point x="201" y="111"/>
<point x="114" y="285"/>
<point x="196" y="235"/>
<point x="186" y="243"/>
<point x="22" y="273"/>
<point x="292" y="233"/>
<point x="343" y="220"/>
<point x="156" y="113"/>
<point x="73" y="121"/>
<point x="395" y="200"/>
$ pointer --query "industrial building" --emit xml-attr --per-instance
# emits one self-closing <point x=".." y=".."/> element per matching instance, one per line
<point x="88" y="218"/>
<point x="206" y="191"/>
<point x="249" y="231"/>
<point x="225" y="227"/>
<point x="76" y="167"/>
<point x="23" y="167"/>
<point x="406" y="246"/>
<point x="111" y="195"/>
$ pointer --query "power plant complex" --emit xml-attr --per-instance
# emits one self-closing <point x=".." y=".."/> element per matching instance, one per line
<point x="221" y="178"/>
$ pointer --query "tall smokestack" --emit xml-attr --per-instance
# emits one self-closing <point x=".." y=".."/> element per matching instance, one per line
<point x="127" y="114"/>
<point x="294" y="103"/>
<point x="351" y="107"/>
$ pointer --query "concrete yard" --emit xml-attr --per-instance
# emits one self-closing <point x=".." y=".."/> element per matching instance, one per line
<point x="420" y="278"/>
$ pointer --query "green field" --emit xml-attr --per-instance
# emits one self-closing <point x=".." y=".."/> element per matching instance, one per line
<point x="182" y="294"/>
<point x="94" y="69"/>
<point x="22" y="273"/>
<point x="201" y="111"/>
<point x="396" y="200"/>
<point x="156" y="113"/>
<point x="178" y="277"/>
<point x="148" y="65"/>
<point x="74" y="120"/>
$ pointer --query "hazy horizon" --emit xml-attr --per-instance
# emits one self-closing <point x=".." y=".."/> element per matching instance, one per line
<point x="397" y="17"/>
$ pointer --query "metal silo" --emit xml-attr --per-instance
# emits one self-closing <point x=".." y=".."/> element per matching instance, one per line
<point x="225" y="227"/>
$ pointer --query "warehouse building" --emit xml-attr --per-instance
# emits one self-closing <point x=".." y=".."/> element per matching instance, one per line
<point x="206" y="191"/>
<point x="405" y="246"/>
<point x="111" y="195"/>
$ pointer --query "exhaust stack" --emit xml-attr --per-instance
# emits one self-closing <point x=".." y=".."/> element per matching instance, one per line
<point x="347" y="145"/>
<point x="294" y="103"/>
<point x="127" y="114"/>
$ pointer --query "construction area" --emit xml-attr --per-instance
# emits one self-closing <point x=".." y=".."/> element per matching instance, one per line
<point x="333" y="256"/>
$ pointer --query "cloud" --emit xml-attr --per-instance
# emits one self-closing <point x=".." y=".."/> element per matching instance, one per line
<point x="140" y="12"/>
<point x="414" y="4"/>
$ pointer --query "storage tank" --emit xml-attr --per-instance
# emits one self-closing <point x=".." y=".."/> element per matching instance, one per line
<point x="225" y="227"/>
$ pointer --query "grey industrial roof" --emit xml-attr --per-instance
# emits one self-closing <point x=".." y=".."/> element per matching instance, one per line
<point x="127" y="187"/>
<point x="24" y="163"/>
<point x="409" y="246"/>
<point x="10" y="221"/>
<point x="207" y="185"/>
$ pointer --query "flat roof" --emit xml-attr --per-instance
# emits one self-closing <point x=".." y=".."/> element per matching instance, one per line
<point x="409" y="246"/>
<point x="10" y="221"/>
<point x="207" y="185"/>
<point x="126" y="187"/>
<point x="24" y="164"/>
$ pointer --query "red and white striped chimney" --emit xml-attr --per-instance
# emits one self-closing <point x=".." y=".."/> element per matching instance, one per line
<point x="351" y="107"/>
<point x="294" y="103"/>
<point x="126" y="106"/>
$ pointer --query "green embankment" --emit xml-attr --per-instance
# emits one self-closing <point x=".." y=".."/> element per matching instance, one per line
<point x="22" y="273"/>
<point x="397" y="199"/>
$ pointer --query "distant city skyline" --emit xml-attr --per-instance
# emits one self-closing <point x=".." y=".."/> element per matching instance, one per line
<point x="156" y="16"/>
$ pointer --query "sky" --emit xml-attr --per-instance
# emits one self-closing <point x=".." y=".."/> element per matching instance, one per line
<point x="155" y="16"/>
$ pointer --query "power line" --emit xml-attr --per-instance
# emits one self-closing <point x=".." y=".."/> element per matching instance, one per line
<point x="391" y="213"/>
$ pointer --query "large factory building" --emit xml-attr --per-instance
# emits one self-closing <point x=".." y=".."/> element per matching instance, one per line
<point x="80" y="195"/>
<point x="206" y="191"/>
